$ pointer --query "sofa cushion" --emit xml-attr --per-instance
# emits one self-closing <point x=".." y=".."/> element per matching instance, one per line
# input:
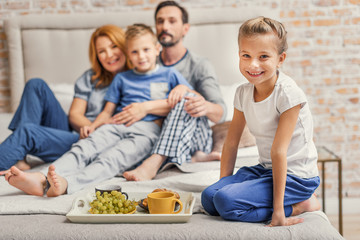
<point x="220" y="132"/>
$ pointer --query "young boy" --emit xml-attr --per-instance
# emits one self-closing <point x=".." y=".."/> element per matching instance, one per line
<point x="138" y="97"/>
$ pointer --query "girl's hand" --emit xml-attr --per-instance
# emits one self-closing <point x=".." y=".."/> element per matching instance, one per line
<point x="279" y="219"/>
<point x="130" y="114"/>
<point x="196" y="106"/>
<point x="85" y="131"/>
<point x="176" y="94"/>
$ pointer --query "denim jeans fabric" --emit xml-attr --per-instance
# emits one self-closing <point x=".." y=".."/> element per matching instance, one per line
<point x="38" y="105"/>
<point x="40" y="127"/>
<point x="247" y="196"/>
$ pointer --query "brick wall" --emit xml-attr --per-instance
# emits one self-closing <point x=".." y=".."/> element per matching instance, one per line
<point x="323" y="57"/>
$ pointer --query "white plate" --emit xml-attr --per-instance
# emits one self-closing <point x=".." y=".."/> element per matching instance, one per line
<point x="81" y="205"/>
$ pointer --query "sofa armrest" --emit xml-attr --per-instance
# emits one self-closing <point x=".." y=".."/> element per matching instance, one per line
<point x="5" y="119"/>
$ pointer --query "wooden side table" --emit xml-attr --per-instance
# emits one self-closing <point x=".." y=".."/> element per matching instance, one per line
<point x="325" y="156"/>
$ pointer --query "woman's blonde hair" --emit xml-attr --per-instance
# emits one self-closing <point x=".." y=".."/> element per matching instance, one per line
<point x="117" y="36"/>
<point x="263" y="25"/>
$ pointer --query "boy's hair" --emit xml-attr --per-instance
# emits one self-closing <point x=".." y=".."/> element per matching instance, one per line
<point x="137" y="30"/>
<point x="263" y="25"/>
<point x="117" y="36"/>
<point x="185" y="15"/>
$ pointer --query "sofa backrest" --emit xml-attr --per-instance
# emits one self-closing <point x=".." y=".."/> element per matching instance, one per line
<point x="55" y="47"/>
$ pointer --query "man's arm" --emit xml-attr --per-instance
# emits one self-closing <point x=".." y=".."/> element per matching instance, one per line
<point x="206" y="84"/>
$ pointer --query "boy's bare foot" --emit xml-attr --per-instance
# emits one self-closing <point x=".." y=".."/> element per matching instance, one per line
<point x="200" y="156"/>
<point x="309" y="205"/>
<point x="58" y="184"/>
<point x="21" y="165"/>
<point x="147" y="170"/>
<point x="32" y="183"/>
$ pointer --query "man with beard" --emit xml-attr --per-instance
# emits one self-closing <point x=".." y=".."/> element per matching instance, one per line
<point x="186" y="135"/>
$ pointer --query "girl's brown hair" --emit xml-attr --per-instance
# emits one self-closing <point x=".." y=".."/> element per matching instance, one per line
<point x="117" y="36"/>
<point x="263" y="25"/>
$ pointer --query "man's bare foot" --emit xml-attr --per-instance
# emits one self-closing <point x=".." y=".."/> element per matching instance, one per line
<point x="138" y="174"/>
<point x="147" y="170"/>
<point x="31" y="183"/>
<point x="21" y="165"/>
<point x="200" y="156"/>
<point x="58" y="184"/>
<point x="309" y="205"/>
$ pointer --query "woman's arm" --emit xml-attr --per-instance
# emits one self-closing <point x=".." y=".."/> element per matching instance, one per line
<point x="229" y="151"/>
<point x="77" y="112"/>
<point x="284" y="132"/>
<point x="102" y="118"/>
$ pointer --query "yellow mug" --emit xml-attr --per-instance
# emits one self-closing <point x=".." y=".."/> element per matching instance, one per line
<point x="163" y="203"/>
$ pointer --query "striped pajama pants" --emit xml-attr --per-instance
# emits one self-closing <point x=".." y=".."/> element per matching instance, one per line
<point x="182" y="135"/>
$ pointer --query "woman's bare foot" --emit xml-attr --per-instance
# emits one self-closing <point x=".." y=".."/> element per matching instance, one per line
<point x="32" y="183"/>
<point x="21" y="165"/>
<point x="147" y="170"/>
<point x="309" y="205"/>
<point x="200" y="156"/>
<point x="58" y="184"/>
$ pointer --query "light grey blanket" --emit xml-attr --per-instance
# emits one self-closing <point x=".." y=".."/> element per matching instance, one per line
<point x="191" y="177"/>
<point x="13" y="201"/>
<point x="31" y="217"/>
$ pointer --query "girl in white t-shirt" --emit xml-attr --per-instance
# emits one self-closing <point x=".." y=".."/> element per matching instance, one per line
<point x="277" y="114"/>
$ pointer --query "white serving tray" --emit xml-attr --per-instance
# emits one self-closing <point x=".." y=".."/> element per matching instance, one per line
<point x="79" y="211"/>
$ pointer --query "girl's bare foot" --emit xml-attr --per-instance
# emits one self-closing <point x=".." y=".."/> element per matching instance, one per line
<point x="58" y="184"/>
<point x="200" y="156"/>
<point x="32" y="183"/>
<point x="309" y="205"/>
<point x="147" y="170"/>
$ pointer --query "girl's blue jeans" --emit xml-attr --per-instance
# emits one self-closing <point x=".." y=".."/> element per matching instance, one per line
<point x="40" y="127"/>
<point x="247" y="196"/>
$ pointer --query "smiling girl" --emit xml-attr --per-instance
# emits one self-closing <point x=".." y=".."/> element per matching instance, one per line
<point x="278" y="115"/>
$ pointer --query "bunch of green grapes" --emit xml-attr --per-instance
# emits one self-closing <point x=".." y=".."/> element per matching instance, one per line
<point x="111" y="203"/>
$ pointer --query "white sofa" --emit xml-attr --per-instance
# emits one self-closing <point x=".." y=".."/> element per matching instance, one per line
<point x="54" y="48"/>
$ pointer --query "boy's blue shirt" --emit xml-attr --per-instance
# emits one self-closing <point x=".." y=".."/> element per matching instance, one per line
<point x="130" y="87"/>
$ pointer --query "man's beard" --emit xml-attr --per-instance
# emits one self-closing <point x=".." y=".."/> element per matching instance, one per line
<point x="167" y="44"/>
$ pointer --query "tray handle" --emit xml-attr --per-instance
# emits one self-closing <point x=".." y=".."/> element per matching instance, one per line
<point x="189" y="204"/>
<point x="78" y="203"/>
